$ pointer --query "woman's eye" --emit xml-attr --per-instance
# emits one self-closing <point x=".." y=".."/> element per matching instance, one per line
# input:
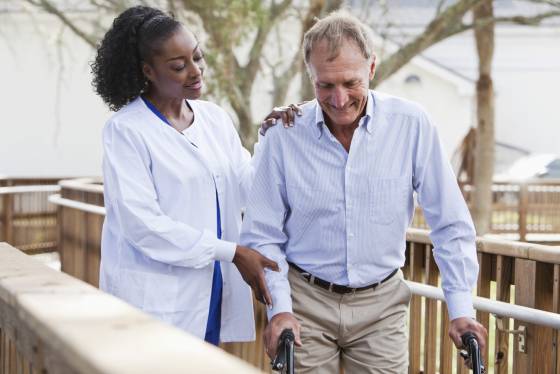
<point x="178" y="68"/>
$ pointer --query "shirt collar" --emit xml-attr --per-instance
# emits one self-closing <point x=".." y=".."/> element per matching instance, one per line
<point x="365" y="121"/>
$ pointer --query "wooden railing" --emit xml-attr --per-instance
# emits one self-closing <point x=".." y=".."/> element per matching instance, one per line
<point x="53" y="323"/>
<point x="513" y="272"/>
<point x="525" y="211"/>
<point x="27" y="220"/>
<point x="79" y="231"/>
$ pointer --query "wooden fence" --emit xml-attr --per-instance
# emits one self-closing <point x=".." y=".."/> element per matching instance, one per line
<point x="27" y="220"/>
<point x="517" y="273"/>
<point x="513" y="272"/>
<point x="53" y="323"/>
<point x="528" y="211"/>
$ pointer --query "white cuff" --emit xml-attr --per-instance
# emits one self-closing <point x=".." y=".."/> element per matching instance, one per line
<point x="281" y="302"/>
<point x="459" y="304"/>
<point x="224" y="251"/>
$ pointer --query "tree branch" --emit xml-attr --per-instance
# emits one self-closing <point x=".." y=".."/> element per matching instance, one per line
<point x="249" y="72"/>
<point x="445" y="23"/>
<point x="440" y="29"/>
<point x="50" y="8"/>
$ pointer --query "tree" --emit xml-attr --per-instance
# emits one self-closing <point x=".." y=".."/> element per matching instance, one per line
<point x="230" y="26"/>
<point x="484" y="161"/>
<point x="250" y="25"/>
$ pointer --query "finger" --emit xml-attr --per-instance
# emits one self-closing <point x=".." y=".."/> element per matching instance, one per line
<point x="285" y="119"/>
<point x="270" y="122"/>
<point x="296" y="109"/>
<point x="260" y="299"/>
<point x="456" y="340"/>
<point x="291" y="116"/>
<point x="266" y="339"/>
<point x="266" y="124"/>
<point x="271" y="350"/>
<point x="297" y="337"/>
<point x="271" y="265"/>
<point x="264" y="291"/>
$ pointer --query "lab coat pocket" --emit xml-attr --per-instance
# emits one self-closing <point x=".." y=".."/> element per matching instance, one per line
<point x="151" y="292"/>
<point x="388" y="197"/>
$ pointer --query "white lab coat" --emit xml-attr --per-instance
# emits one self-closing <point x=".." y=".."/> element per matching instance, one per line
<point x="159" y="236"/>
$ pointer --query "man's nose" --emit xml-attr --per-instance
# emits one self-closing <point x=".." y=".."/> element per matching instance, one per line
<point x="339" y="98"/>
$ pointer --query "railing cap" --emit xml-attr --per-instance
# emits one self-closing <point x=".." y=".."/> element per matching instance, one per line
<point x="528" y="251"/>
<point x="93" y="332"/>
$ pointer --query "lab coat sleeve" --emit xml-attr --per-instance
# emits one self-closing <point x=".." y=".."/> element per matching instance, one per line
<point x="244" y="164"/>
<point x="131" y="196"/>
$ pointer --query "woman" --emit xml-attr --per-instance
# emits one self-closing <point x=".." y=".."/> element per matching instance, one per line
<point x="175" y="175"/>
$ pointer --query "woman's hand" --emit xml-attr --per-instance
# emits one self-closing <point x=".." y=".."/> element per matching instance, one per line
<point x="286" y="113"/>
<point x="251" y="264"/>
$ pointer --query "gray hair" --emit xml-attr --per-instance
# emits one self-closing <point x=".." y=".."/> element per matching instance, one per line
<point x="336" y="28"/>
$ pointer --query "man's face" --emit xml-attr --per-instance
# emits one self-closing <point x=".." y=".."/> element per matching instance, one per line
<point x="341" y="85"/>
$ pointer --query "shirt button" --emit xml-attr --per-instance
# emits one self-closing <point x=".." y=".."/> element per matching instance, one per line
<point x="351" y="234"/>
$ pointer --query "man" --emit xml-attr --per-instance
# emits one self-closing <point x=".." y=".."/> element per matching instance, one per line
<point x="331" y="201"/>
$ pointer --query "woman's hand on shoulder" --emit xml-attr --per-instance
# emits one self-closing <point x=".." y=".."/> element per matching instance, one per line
<point x="285" y="113"/>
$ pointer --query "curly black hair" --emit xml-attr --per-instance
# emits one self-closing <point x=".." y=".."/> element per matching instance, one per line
<point x="133" y="38"/>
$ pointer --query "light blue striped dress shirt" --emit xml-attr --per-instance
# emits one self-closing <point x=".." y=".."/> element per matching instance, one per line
<point x="342" y="216"/>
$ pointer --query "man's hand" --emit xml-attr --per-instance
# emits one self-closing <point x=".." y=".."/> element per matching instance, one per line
<point x="275" y="326"/>
<point x="251" y="264"/>
<point x="461" y="325"/>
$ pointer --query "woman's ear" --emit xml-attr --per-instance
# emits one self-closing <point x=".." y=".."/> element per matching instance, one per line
<point x="148" y="71"/>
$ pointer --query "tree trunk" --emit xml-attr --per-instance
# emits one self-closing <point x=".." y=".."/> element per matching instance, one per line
<point x="484" y="153"/>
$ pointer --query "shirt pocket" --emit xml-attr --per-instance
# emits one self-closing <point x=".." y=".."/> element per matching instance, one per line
<point x="388" y="198"/>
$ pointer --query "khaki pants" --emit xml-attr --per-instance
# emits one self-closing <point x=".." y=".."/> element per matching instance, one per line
<point x="364" y="332"/>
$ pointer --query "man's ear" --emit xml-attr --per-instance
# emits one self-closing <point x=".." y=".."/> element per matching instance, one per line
<point x="372" y="68"/>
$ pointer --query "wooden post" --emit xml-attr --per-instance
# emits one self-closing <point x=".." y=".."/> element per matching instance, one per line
<point x="556" y="309"/>
<point x="503" y="281"/>
<point x="522" y="212"/>
<point x="533" y="288"/>
<point x="483" y="290"/>
<point x="416" y="264"/>
<point x="7" y="219"/>
<point x="430" y="328"/>
<point x="446" y="352"/>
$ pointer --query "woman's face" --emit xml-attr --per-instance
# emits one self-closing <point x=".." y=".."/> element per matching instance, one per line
<point x="176" y="71"/>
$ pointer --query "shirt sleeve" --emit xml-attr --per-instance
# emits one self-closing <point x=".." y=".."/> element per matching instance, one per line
<point x="263" y="223"/>
<point x="453" y="234"/>
<point x="132" y="200"/>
